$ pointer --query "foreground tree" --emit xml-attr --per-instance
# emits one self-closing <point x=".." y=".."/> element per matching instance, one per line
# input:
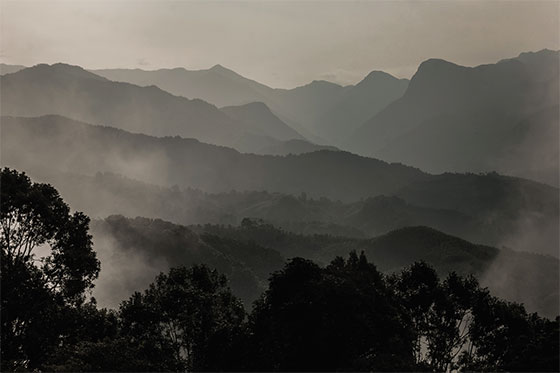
<point x="459" y="326"/>
<point x="36" y="290"/>
<point x="504" y="337"/>
<point x="342" y="317"/>
<point x="33" y="216"/>
<point x="184" y="320"/>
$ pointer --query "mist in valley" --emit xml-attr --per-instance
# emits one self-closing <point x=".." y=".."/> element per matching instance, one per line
<point x="424" y="189"/>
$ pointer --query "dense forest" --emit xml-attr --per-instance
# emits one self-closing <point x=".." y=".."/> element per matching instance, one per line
<point x="345" y="314"/>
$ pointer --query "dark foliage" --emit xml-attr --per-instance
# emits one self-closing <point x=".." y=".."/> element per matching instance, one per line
<point x="346" y="316"/>
<point x="39" y="294"/>
<point x="341" y="317"/>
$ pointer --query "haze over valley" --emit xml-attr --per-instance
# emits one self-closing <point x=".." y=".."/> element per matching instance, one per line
<point x="197" y="218"/>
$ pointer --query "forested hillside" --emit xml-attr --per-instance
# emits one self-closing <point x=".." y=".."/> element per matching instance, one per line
<point x="487" y="208"/>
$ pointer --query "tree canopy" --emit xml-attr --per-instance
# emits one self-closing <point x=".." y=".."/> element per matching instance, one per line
<point x="38" y="290"/>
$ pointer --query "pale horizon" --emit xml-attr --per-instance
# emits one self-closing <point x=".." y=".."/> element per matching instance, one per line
<point x="280" y="44"/>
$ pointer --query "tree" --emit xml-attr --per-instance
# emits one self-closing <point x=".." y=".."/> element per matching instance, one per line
<point x="36" y="291"/>
<point x="459" y="326"/>
<point x="341" y="317"/>
<point x="176" y="320"/>
<point x="33" y="215"/>
<point x="506" y="338"/>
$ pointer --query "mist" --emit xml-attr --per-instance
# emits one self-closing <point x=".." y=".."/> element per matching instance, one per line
<point x="217" y="178"/>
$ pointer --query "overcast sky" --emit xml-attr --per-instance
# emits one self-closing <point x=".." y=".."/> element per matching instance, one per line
<point x="282" y="44"/>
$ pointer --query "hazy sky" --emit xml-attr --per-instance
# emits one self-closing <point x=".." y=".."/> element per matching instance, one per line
<point x="282" y="44"/>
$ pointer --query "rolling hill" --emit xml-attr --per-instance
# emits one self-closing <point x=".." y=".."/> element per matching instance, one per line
<point x="489" y="208"/>
<point x="250" y="253"/>
<point x="67" y="145"/>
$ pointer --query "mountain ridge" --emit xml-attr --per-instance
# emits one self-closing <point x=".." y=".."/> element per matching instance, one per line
<point x="527" y="211"/>
<point x="74" y="92"/>
<point x="453" y="118"/>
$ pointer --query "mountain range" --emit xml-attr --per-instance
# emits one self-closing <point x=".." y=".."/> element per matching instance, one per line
<point x="501" y="116"/>
<point x="79" y="94"/>
<point x="487" y="208"/>
<point x="319" y="110"/>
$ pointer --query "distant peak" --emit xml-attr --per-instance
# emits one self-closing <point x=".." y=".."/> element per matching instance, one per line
<point x="377" y="76"/>
<point x="62" y="68"/>
<point x="436" y="67"/>
<point x="219" y="67"/>
<point x="378" y="73"/>
<point x="321" y="84"/>
<point x="437" y="63"/>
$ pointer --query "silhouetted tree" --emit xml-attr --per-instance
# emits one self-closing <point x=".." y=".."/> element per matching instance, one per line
<point x="459" y="326"/>
<point x="506" y="338"/>
<point x="337" y="318"/>
<point x="33" y="215"/>
<point x="36" y="292"/>
<point x="179" y="316"/>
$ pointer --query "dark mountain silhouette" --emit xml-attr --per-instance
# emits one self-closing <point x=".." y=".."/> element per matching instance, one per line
<point x="74" y="92"/>
<point x="489" y="208"/>
<point x="455" y="118"/>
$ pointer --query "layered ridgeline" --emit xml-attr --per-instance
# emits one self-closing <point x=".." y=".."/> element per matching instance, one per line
<point x="318" y="110"/>
<point x="302" y="191"/>
<point x="217" y="85"/>
<point x="63" y="144"/>
<point x="501" y="117"/>
<point x="76" y="93"/>
<point x="497" y="117"/>
<point x="134" y="251"/>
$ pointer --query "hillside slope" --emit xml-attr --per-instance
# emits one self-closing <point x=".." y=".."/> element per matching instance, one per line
<point x="76" y="93"/>
<point x="248" y="254"/>
<point x="455" y="118"/>
<point x="491" y="208"/>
